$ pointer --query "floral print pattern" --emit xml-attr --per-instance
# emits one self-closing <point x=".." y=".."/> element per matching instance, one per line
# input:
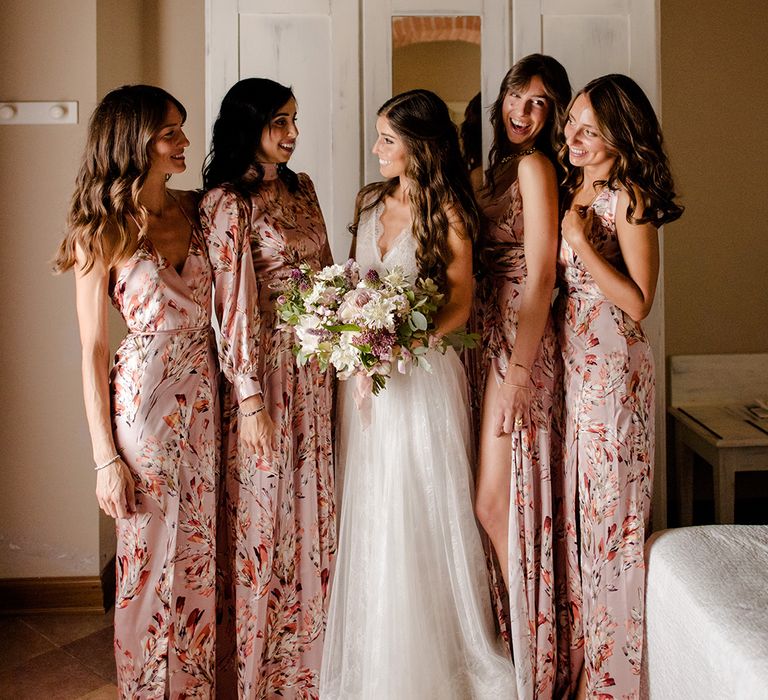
<point x="531" y="620"/>
<point x="277" y="528"/>
<point x="164" y="399"/>
<point x="605" y="487"/>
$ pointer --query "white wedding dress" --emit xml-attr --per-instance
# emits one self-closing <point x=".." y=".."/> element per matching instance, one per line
<point x="410" y="615"/>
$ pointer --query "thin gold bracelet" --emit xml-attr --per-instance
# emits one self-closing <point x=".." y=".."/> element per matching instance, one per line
<point x="517" y="386"/>
<point x="114" y="459"/>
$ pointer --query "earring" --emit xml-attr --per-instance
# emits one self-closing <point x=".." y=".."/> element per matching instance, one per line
<point x="167" y="177"/>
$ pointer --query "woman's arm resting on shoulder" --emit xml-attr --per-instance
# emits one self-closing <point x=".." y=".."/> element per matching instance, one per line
<point x="114" y="483"/>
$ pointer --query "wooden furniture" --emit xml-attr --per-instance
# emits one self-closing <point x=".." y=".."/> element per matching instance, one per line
<point x="708" y="397"/>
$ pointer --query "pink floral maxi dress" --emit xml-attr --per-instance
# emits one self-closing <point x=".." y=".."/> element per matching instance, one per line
<point x="279" y="532"/>
<point x="164" y="420"/>
<point x="531" y="596"/>
<point x="608" y="431"/>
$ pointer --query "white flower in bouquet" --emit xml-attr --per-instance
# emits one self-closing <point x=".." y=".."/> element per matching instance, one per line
<point x="396" y="278"/>
<point x="309" y="332"/>
<point x="379" y="312"/>
<point x="330" y="273"/>
<point x="345" y="356"/>
<point x="318" y="289"/>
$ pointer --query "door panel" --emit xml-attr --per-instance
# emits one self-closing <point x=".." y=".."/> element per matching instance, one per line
<point x="311" y="45"/>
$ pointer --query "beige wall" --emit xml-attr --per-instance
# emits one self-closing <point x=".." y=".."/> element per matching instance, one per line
<point x="714" y="105"/>
<point x="48" y="519"/>
<point x="173" y="52"/>
<point x="73" y="50"/>
<point x="714" y="78"/>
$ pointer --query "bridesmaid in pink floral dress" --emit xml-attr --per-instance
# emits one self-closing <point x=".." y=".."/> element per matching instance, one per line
<point x="278" y="527"/>
<point x="518" y="250"/>
<point x="619" y="190"/>
<point x="154" y="433"/>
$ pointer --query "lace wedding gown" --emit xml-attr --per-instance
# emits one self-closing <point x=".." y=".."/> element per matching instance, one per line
<point x="410" y="615"/>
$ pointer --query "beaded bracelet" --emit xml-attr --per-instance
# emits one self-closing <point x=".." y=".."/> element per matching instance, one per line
<point x="252" y="413"/>
<point x="106" y="464"/>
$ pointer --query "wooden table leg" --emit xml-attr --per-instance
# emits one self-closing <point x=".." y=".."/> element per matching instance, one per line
<point x="725" y="488"/>
<point x="684" y="478"/>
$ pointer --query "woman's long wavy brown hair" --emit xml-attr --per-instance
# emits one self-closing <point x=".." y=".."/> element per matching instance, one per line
<point x="558" y="90"/>
<point x="112" y="172"/>
<point x="629" y="126"/>
<point x="440" y="191"/>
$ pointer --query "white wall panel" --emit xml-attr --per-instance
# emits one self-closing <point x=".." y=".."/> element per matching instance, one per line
<point x="296" y="51"/>
<point x="602" y="45"/>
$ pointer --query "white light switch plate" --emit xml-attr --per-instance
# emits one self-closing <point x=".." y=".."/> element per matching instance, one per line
<point x="38" y="113"/>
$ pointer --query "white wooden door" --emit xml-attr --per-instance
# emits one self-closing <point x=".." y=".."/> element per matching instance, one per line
<point x="311" y="45"/>
<point x="592" y="38"/>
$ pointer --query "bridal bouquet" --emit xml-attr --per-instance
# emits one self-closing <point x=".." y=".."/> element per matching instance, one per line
<point x="369" y="324"/>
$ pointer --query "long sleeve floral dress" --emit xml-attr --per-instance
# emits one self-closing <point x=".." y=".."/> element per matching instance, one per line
<point x="608" y="414"/>
<point x="164" y="408"/>
<point x="278" y="519"/>
<point x="531" y="595"/>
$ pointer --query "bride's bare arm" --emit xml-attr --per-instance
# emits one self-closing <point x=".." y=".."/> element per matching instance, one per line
<point x="454" y="314"/>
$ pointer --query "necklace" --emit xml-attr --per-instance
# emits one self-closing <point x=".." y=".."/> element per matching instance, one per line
<point x="515" y="156"/>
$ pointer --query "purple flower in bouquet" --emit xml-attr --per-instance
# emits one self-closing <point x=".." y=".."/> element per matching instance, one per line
<point x="372" y="279"/>
<point x="380" y="341"/>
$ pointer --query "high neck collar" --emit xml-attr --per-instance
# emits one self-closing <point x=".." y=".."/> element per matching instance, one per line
<point x="270" y="171"/>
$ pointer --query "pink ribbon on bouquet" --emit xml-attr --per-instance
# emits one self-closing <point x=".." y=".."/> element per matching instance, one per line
<point x="363" y="392"/>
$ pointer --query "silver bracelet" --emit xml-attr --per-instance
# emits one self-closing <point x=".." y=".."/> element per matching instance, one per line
<point x="252" y="413"/>
<point x="106" y="464"/>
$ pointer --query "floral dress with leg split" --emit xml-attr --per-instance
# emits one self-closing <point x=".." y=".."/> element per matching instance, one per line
<point x="531" y="618"/>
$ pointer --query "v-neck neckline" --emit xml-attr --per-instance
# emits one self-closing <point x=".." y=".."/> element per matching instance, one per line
<point x="379" y="232"/>
<point x="162" y="259"/>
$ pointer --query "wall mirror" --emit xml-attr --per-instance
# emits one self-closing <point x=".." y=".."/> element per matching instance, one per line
<point x="441" y="54"/>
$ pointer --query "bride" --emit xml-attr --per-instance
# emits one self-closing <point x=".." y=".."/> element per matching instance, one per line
<point x="410" y="613"/>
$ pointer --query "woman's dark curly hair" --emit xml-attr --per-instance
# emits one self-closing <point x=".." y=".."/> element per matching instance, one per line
<point x="246" y="110"/>
<point x="440" y="190"/>
<point x="629" y="126"/>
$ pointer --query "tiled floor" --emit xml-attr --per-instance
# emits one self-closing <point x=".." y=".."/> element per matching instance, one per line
<point x="57" y="657"/>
